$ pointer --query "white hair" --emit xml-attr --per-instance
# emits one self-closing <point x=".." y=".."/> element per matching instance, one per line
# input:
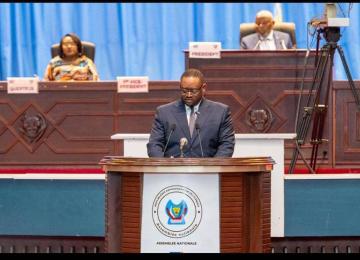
<point x="264" y="13"/>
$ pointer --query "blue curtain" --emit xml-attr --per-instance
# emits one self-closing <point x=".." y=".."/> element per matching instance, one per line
<point x="135" y="39"/>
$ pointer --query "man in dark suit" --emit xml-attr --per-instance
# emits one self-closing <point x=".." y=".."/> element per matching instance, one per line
<point x="265" y="37"/>
<point x="211" y="124"/>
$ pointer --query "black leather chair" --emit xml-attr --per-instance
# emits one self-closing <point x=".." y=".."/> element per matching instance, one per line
<point x="88" y="50"/>
<point x="249" y="28"/>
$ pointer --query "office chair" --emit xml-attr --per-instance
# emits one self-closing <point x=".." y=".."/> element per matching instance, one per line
<point x="88" y="50"/>
<point x="249" y="28"/>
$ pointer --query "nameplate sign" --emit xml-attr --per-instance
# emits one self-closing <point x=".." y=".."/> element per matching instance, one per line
<point x="22" y="85"/>
<point x="133" y="84"/>
<point x="179" y="214"/>
<point x="205" y="50"/>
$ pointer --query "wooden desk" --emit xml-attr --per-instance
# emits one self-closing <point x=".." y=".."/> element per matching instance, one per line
<point x="78" y="120"/>
<point x="82" y="116"/>
<point x="262" y="89"/>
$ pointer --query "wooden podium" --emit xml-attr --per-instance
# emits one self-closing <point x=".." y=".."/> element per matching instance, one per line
<point x="244" y="199"/>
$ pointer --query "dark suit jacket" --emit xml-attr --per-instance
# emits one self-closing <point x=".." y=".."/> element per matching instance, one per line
<point x="250" y="41"/>
<point x="215" y="127"/>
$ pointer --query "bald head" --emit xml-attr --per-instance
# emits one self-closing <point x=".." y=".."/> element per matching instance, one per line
<point x="264" y="13"/>
<point x="264" y="22"/>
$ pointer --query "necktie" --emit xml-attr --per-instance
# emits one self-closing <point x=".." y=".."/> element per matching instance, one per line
<point x="192" y="121"/>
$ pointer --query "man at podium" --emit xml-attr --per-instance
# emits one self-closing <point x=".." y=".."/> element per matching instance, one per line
<point x="192" y="126"/>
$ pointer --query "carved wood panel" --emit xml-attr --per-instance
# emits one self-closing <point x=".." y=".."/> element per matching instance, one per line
<point x="59" y="126"/>
<point x="346" y="134"/>
<point x="263" y="89"/>
<point x="71" y="124"/>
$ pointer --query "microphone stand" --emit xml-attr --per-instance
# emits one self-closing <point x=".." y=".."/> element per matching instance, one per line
<point x="173" y="126"/>
<point x="181" y="153"/>
<point x="198" y="131"/>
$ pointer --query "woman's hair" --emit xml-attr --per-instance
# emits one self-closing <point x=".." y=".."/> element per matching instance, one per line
<point x="76" y="40"/>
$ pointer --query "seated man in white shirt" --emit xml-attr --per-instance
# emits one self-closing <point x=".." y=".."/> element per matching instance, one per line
<point x="265" y="37"/>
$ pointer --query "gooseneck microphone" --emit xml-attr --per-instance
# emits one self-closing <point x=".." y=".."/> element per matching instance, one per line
<point x="183" y="142"/>
<point x="197" y="127"/>
<point x="257" y="45"/>
<point x="172" y="128"/>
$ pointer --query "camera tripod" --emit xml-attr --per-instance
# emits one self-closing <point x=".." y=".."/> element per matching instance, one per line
<point x="316" y="107"/>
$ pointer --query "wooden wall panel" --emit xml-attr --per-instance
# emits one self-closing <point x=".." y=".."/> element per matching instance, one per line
<point x="75" y="122"/>
<point x="242" y="199"/>
<point x="73" y="126"/>
<point x="135" y="113"/>
<point x="232" y="214"/>
<point x="264" y="80"/>
<point x="346" y="125"/>
<point x="81" y="116"/>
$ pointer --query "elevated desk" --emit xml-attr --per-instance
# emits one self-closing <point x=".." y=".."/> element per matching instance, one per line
<point x="262" y="89"/>
<point x="76" y="119"/>
<point x="81" y="116"/>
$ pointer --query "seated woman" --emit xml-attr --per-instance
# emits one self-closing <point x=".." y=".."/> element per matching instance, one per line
<point x="71" y="64"/>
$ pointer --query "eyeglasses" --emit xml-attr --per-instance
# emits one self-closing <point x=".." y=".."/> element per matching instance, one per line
<point x="194" y="91"/>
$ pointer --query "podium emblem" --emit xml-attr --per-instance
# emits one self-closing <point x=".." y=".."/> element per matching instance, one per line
<point x="176" y="220"/>
<point x="176" y="213"/>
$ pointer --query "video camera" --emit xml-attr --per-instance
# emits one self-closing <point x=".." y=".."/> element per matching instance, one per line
<point x="330" y="19"/>
<point x="330" y="25"/>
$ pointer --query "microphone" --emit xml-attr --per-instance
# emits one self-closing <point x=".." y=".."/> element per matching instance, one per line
<point x="257" y="45"/>
<point x="172" y="128"/>
<point x="198" y="131"/>
<point x="283" y="44"/>
<point x="183" y="142"/>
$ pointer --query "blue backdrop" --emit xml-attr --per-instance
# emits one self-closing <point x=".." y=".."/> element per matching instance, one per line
<point x="136" y="39"/>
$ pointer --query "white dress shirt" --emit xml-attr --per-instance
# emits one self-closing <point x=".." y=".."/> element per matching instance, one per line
<point x="268" y="42"/>
<point x="188" y="110"/>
